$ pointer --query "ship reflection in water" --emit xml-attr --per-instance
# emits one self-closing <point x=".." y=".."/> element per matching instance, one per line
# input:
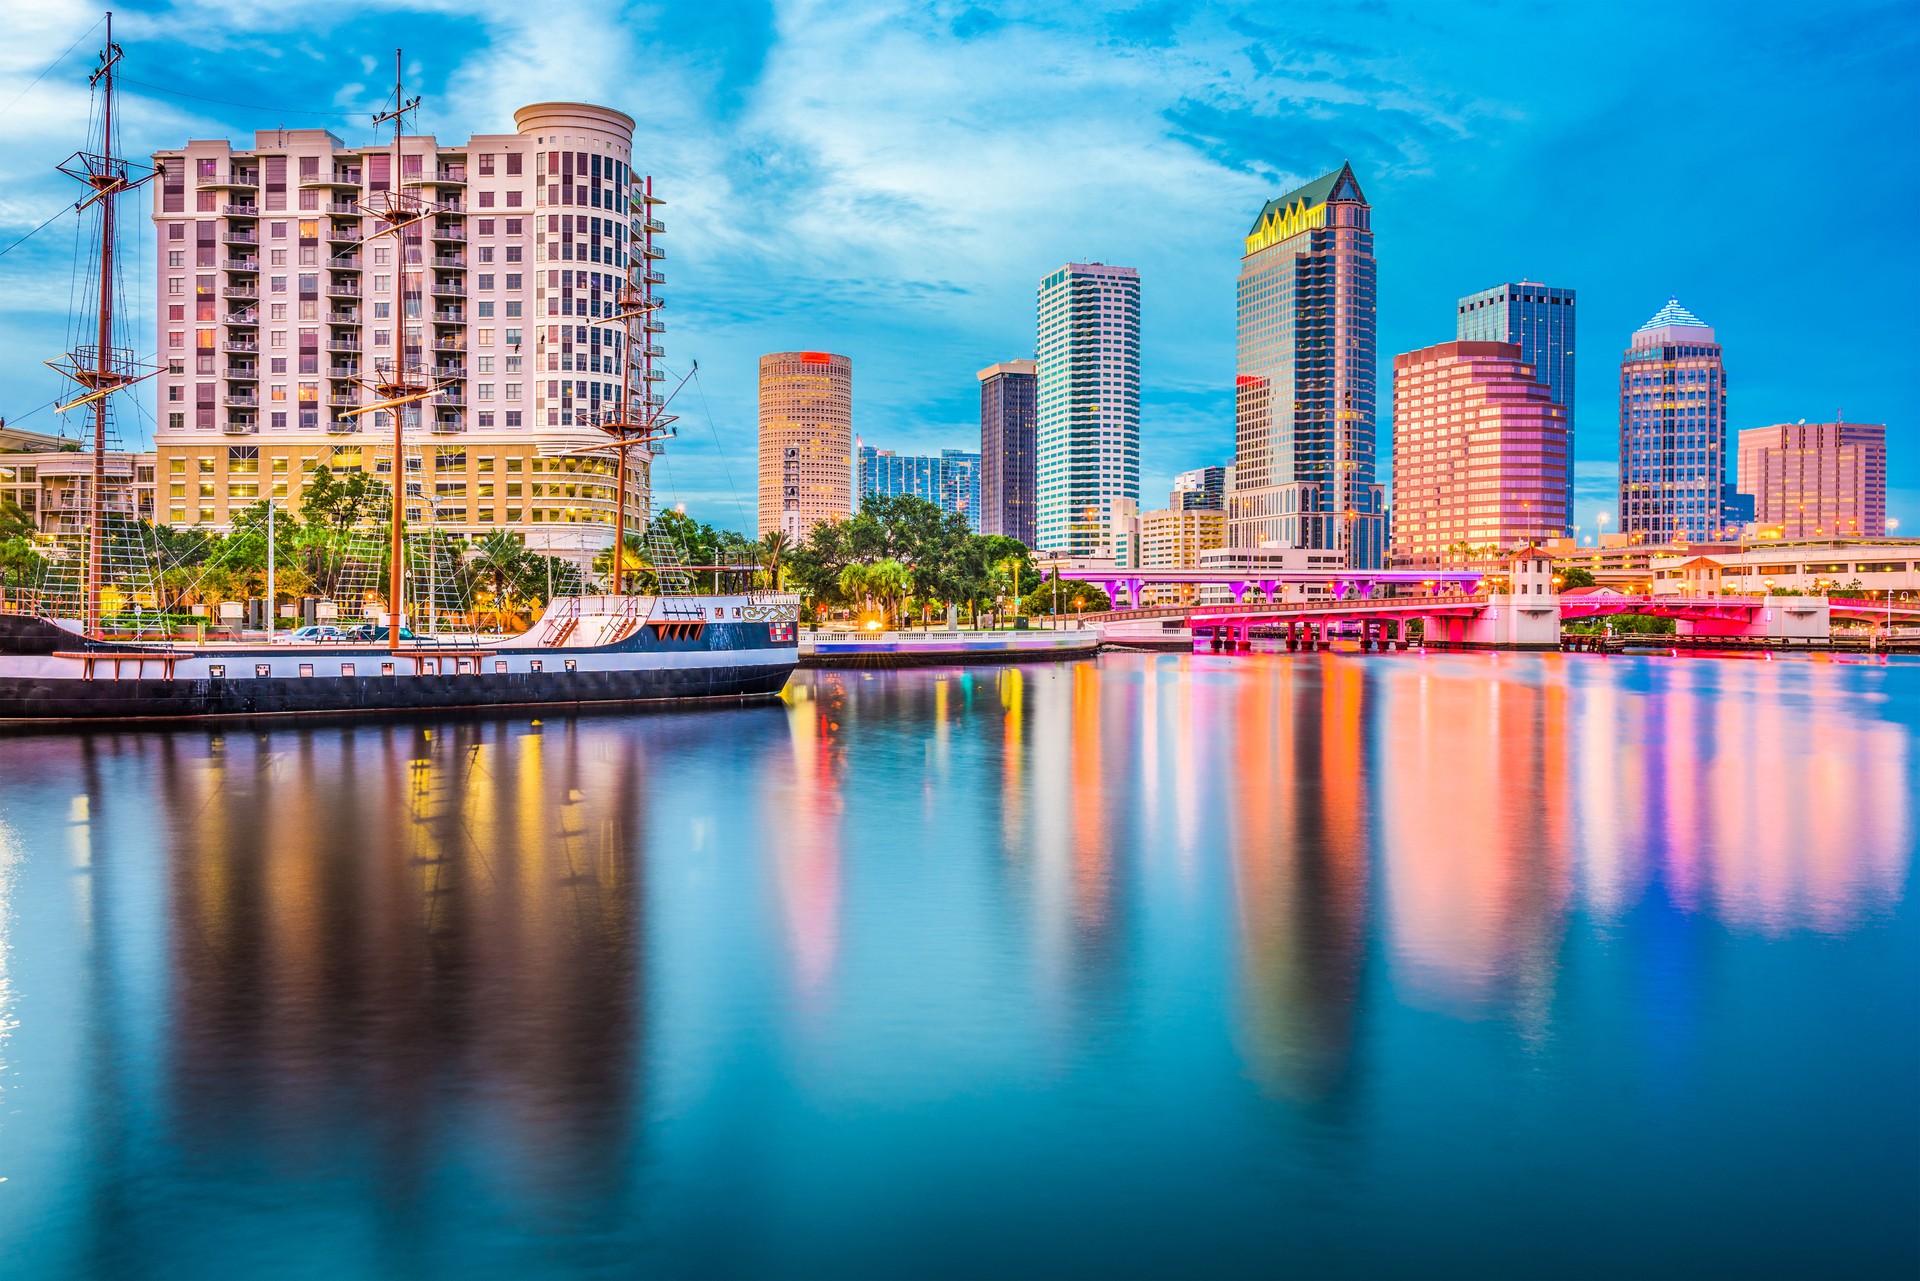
<point x="1315" y="965"/>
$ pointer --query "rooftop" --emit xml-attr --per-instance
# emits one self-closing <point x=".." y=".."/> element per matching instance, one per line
<point x="1673" y="314"/>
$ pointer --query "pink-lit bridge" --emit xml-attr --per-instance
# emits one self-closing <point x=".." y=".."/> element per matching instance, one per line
<point x="1531" y="618"/>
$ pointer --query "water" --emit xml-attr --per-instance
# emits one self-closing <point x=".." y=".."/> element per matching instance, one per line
<point x="1314" y="966"/>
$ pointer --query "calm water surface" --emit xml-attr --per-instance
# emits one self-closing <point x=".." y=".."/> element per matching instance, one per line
<point x="1263" y="965"/>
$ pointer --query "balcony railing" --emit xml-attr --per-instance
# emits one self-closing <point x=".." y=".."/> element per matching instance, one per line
<point x="449" y="289"/>
<point x="343" y="291"/>
<point x="241" y="344"/>
<point x="343" y="344"/>
<point x="348" y="317"/>
<point x="239" y="236"/>
<point x="243" y="264"/>
<point x="345" y="262"/>
<point x="342" y="208"/>
<point x="243" y="373"/>
<point x="449" y="371"/>
<point x="246" y="316"/>
<point x="240" y="291"/>
<point x="240" y="209"/>
<point x="245" y="401"/>
<point x="348" y="370"/>
<point x="449" y="316"/>
<point x="450" y="260"/>
<point x="450" y="344"/>
<point x="343" y="402"/>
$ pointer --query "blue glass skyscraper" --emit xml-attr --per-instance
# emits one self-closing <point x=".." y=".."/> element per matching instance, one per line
<point x="1539" y="318"/>
<point x="1673" y="432"/>
<point x="951" y="481"/>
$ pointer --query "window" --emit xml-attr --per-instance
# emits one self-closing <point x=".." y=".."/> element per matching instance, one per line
<point x="536" y="665"/>
<point x="263" y="669"/>
<point x="306" y="669"/>
<point x="386" y="669"/>
<point x="346" y="669"/>
<point x="499" y="664"/>
<point x="216" y="670"/>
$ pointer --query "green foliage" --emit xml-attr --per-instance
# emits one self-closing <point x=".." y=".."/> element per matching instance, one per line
<point x="1073" y="596"/>
<point x="1575" y="577"/>
<point x="944" y="559"/>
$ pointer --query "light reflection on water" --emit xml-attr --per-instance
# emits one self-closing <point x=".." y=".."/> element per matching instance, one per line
<point x="1176" y="964"/>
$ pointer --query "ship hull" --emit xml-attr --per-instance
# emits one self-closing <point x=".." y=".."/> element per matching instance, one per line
<point x="698" y="650"/>
<point x="40" y="702"/>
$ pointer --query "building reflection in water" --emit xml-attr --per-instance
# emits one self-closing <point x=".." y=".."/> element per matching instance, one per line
<point x="807" y="855"/>
<point x="1296" y="822"/>
<point x="384" y="936"/>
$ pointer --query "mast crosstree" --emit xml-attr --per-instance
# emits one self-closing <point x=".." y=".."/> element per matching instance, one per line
<point x="101" y="368"/>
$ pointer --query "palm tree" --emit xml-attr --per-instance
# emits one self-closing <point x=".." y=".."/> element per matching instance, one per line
<point x="892" y="582"/>
<point x="772" y="549"/>
<point x="499" y="558"/>
<point x="855" y="583"/>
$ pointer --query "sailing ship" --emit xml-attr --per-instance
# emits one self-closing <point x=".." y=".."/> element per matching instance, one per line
<point x="672" y="645"/>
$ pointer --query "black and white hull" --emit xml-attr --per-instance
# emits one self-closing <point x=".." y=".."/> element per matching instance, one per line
<point x="585" y="651"/>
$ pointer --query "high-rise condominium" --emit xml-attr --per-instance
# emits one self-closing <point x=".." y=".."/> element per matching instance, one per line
<point x="1479" y="454"/>
<point x="1304" y="397"/>
<point x="806" y="441"/>
<point x="950" y="480"/>
<point x="274" y="313"/>
<point x="1540" y="319"/>
<point x="1202" y="489"/>
<point x="1088" y="407"/>
<point x="1815" y="480"/>
<point x="1007" y="408"/>
<point x="1673" y="431"/>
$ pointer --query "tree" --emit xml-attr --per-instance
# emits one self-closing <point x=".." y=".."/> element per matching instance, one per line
<point x="773" y="548"/>
<point x="500" y="559"/>
<point x="1074" y="597"/>
<point x="1575" y="577"/>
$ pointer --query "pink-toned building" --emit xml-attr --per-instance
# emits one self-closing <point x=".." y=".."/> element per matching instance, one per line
<point x="1815" y="480"/>
<point x="273" y="309"/>
<point x="1479" y="454"/>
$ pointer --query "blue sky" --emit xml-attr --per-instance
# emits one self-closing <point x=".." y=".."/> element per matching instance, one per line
<point x="892" y="180"/>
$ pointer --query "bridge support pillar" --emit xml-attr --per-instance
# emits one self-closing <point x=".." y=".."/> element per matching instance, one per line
<point x="1293" y="636"/>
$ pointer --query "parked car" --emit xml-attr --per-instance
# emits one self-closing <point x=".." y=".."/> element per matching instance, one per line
<point x="318" y="634"/>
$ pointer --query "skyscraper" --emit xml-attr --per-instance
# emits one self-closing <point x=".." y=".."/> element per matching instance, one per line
<point x="1202" y="489"/>
<point x="1673" y="431"/>
<point x="1007" y="392"/>
<point x="1540" y="319"/>
<point x="1479" y="454"/>
<point x="275" y="310"/>
<point x="806" y="441"/>
<point x="1304" y="395"/>
<point x="949" y="480"/>
<point x="1814" y="480"/>
<point x="1088" y="403"/>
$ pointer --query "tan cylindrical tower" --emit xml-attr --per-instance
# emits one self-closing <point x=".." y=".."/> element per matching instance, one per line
<point x="806" y="441"/>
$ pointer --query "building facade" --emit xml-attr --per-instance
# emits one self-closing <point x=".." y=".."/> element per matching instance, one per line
<point x="1673" y="432"/>
<point x="1008" y="393"/>
<point x="1480" y="455"/>
<point x="1203" y="487"/>
<point x="1813" y="480"/>
<point x="52" y="488"/>
<point x="277" y="304"/>
<point x="1087" y="417"/>
<point x="949" y="480"/>
<point x="1304" y="466"/>
<point x="806" y="441"/>
<point x="1540" y="319"/>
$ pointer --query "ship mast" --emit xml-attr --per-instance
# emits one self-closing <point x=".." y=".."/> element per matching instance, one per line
<point x="101" y="369"/>
<point x="636" y="420"/>
<point x="397" y="384"/>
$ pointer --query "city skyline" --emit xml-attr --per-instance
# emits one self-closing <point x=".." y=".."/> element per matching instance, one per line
<point x="1433" y="132"/>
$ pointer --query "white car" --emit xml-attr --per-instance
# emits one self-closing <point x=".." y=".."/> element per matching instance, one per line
<point x="311" y="635"/>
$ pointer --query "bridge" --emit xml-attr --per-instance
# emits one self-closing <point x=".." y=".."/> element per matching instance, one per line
<point x="1453" y="611"/>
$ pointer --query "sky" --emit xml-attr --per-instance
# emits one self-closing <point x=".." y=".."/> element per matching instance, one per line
<point x="891" y="181"/>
